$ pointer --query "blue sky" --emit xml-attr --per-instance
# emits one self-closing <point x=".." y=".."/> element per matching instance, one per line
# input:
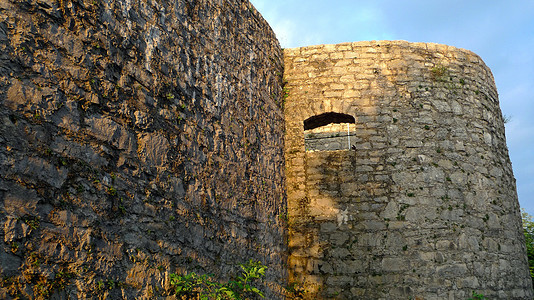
<point x="501" y="32"/>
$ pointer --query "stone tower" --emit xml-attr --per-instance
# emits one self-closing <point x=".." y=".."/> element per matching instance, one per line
<point x="398" y="176"/>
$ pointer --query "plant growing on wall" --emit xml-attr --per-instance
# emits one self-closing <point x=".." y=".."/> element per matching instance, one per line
<point x="528" y="230"/>
<point x="438" y="72"/>
<point x="296" y="290"/>
<point x="477" y="296"/>
<point x="204" y="287"/>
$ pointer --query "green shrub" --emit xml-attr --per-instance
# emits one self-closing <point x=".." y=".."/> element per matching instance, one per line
<point x="477" y="296"/>
<point x="528" y="230"/>
<point x="204" y="287"/>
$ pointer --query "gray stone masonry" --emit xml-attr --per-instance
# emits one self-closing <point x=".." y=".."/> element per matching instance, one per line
<point x="424" y="206"/>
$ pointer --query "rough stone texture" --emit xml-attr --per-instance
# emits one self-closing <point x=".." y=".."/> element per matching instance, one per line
<point x="141" y="138"/>
<point x="137" y="139"/>
<point x="425" y="207"/>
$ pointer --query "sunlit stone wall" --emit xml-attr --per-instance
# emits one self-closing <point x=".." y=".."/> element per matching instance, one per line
<point x="423" y="205"/>
<point x="138" y="139"/>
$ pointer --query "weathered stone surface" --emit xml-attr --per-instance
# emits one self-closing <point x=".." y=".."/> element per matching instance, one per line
<point x="19" y="201"/>
<point x="74" y="150"/>
<point x="37" y="169"/>
<point x="9" y="264"/>
<point x="138" y="140"/>
<point x="153" y="150"/>
<point x="426" y="200"/>
<point x="107" y="130"/>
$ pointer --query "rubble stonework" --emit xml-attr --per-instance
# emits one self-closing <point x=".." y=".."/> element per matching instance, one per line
<point x="423" y="205"/>
<point x="144" y="138"/>
<point x="137" y="139"/>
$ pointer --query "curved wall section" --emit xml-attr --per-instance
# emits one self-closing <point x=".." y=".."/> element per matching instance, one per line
<point x="137" y="139"/>
<point x="424" y="204"/>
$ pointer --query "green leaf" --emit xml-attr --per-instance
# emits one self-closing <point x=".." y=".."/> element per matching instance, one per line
<point x="194" y="286"/>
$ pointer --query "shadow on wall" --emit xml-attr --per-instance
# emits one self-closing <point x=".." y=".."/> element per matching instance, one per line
<point x="325" y="254"/>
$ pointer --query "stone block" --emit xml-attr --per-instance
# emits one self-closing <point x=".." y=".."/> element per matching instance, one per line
<point x="452" y="270"/>
<point x="105" y="129"/>
<point x="339" y="238"/>
<point x="9" y="264"/>
<point x="339" y="280"/>
<point x="328" y="227"/>
<point x="339" y="253"/>
<point x="20" y="201"/>
<point x="38" y="168"/>
<point x="153" y="150"/>
<point x="347" y="267"/>
<point x="74" y="150"/>
<point x="326" y="268"/>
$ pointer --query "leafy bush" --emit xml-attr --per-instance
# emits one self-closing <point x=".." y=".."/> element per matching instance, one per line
<point x="477" y="296"/>
<point x="528" y="230"/>
<point x="204" y="287"/>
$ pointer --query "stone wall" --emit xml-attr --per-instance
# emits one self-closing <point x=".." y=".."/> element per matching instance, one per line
<point x="425" y="206"/>
<point x="137" y="138"/>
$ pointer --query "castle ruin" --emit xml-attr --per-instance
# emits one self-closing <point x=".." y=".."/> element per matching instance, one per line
<point x="144" y="138"/>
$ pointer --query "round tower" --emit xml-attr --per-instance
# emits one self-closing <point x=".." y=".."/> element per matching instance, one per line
<point x="398" y="176"/>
